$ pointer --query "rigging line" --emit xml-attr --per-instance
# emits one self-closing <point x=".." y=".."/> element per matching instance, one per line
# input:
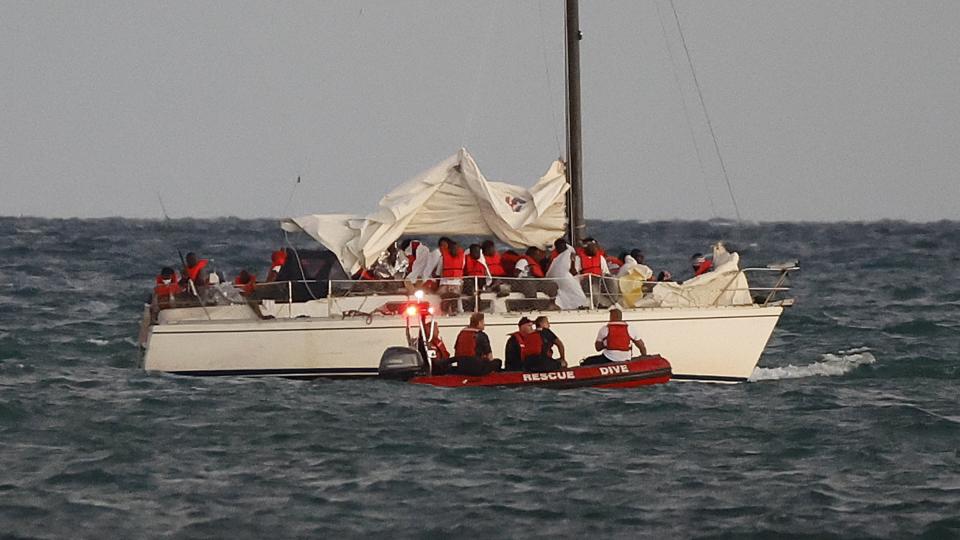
<point x="468" y="124"/>
<point x="686" y="110"/>
<point x="716" y="145"/>
<point x="546" y="67"/>
<point x="293" y="189"/>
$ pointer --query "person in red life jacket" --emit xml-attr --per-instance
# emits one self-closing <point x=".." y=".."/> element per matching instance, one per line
<point x="476" y="275"/>
<point x="492" y="259"/>
<point x="195" y="272"/>
<point x="440" y="359"/>
<point x="615" y="341"/>
<point x="450" y="269"/>
<point x="166" y="288"/>
<point x="277" y="260"/>
<point x="701" y="264"/>
<point x="529" y="264"/>
<point x="471" y="352"/>
<point x="551" y="340"/>
<point x="246" y="282"/>
<point x="509" y="260"/>
<point x="592" y="259"/>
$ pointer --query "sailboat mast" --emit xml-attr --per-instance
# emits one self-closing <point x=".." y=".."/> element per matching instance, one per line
<point x="577" y="225"/>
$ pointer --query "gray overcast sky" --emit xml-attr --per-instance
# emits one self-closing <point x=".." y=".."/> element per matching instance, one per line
<point x="824" y="110"/>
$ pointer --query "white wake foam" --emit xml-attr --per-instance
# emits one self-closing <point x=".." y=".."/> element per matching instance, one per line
<point x="831" y="365"/>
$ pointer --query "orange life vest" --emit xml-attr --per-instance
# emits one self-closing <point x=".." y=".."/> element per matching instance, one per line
<point x="704" y="267"/>
<point x="530" y="344"/>
<point x="509" y="260"/>
<point x="618" y="336"/>
<point x="193" y="272"/>
<point x="591" y="264"/>
<point x="535" y="269"/>
<point x="452" y="264"/>
<point x="466" y="344"/>
<point x="166" y="290"/>
<point x="474" y="267"/>
<point x="246" y="287"/>
<point x="495" y="265"/>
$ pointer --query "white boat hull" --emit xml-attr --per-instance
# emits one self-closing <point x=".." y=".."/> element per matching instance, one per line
<point x="721" y="344"/>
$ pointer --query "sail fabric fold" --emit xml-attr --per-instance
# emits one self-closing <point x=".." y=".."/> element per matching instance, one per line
<point x="725" y="285"/>
<point x="452" y="198"/>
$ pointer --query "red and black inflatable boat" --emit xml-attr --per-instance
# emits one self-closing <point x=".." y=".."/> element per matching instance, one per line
<point x="639" y="371"/>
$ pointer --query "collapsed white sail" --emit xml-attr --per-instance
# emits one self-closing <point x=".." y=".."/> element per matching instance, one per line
<point x="452" y="198"/>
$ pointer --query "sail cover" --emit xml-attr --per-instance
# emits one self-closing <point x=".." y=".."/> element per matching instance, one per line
<point x="452" y="198"/>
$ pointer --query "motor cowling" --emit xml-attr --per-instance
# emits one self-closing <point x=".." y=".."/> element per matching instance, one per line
<point x="402" y="363"/>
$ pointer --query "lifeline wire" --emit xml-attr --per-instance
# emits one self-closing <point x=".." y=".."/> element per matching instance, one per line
<point x="686" y="110"/>
<point x="716" y="145"/>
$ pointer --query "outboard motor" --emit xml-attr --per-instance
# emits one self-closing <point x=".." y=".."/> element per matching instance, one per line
<point x="402" y="363"/>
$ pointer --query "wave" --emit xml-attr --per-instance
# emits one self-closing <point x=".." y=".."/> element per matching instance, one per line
<point x="831" y="365"/>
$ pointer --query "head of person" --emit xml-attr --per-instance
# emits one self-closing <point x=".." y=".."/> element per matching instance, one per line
<point x="191" y="259"/>
<point x="243" y="276"/>
<point x="696" y="260"/>
<point x="664" y="276"/>
<point x="475" y="251"/>
<point x="526" y="326"/>
<point x="476" y="320"/>
<point x="542" y="322"/>
<point x="590" y="246"/>
<point x="444" y="243"/>
<point x="616" y="315"/>
<point x="166" y="274"/>
<point x="637" y="255"/>
<point x="560" y="244"/>
<point x="488" y="247"/>
<point x="535" y="252"/>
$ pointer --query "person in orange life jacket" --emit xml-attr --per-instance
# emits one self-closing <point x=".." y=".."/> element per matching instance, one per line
<point x="700" y="264"/>
<point x="440" y="363"/>
<point x="492" y="259"/>
<point x="277" y="260"/>
<point x="529" y="264"/>
<point x="476" y="275"/>
<point x="471" y="352"/>
<point x="246" y="282"/>
<point x="592" y="259"/>
<point x="195" y="272"/>
<point x="615" y="340"/>
<point x="521" y="344"/>
<point x="550" y="340"/>
<point x="450" y="271"/>
<point x="166" y="288"/>
<point x="509" y="260"/>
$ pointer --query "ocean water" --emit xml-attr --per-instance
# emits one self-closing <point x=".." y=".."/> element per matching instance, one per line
<point x="849" y="429"/>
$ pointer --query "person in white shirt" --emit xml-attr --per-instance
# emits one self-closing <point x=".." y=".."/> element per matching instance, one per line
<point x="615" y="341"/>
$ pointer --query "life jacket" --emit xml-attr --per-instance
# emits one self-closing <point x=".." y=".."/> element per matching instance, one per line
<point x="535" y="269"/>
<point x="466" y="344"/>
<point x="591" y="264"/>
<point x="554" y="254"/>
<point x="437" y="342"/>
<point x="166" y="290"/>
<point x="278" y="259"/>
<point x="618" y="337"/>
<point x="473" y="267"/>
<point x="246" y="287"/>
<point x="613" y="263"/>
<point x="452" y="264"/>
<point x="509" y="260"/>
<point x="193" y="272"/>
<point x="704" y="267"/>
<point x="495" y="265"/>
<point x="530" y="344"/>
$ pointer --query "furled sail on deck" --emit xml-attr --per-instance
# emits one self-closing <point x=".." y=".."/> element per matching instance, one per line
<point x="452" y="198"/>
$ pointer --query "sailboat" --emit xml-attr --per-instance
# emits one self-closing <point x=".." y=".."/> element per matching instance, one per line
<point x="317" y="322"/>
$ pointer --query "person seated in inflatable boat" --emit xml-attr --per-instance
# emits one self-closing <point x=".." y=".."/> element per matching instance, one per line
<point x="615" y="341"/>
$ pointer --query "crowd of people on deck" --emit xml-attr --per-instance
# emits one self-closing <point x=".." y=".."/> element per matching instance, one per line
<point x="531" y="348"/>
<point x="452" y="271"/>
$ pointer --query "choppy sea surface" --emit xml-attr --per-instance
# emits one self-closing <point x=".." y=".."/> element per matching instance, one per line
<point x="850" y="427"/>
